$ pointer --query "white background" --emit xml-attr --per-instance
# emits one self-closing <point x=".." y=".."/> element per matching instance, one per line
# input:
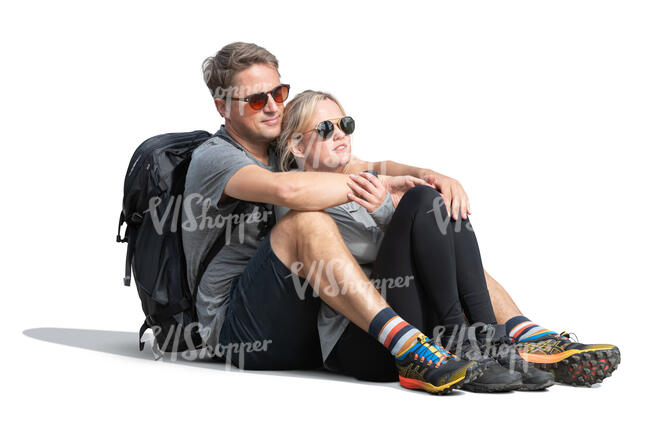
<point x="539" y="108"/>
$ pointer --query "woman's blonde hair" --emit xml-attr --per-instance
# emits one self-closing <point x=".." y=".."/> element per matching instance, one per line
<point x="297" y="114"/>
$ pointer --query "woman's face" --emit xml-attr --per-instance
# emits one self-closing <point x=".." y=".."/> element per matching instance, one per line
<point x="326" y="155"/>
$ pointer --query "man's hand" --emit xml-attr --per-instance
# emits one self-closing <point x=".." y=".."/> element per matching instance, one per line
<point x="369" y="191"/>
<point x="398" y="185"/>
<point x="452" y="193"/>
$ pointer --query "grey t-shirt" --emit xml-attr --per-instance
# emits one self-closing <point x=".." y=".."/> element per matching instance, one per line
<point x="362" y="232"/>
<point x="204" y="219"/>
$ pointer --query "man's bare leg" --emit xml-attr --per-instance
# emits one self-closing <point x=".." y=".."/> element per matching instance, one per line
<point x="502" y="303"/>
<point x="311" y="241"/>
<point x="306" y="241"/>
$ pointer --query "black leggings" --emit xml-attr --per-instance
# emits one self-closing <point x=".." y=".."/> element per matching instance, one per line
<point x="437" y="264"/>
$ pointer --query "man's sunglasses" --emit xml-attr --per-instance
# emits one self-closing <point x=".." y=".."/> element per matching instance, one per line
<point x="257" y="101"/>
<point x="325" y="129"/>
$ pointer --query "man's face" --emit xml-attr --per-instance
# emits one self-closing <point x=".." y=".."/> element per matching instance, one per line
<point x="254" y="125"/>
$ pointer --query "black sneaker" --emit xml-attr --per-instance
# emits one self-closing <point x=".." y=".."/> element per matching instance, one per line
<point x="502" y="348"/>
<point x="464" y="342"/>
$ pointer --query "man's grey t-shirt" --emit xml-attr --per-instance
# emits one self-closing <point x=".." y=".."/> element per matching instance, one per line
<point x="204" y="219"/>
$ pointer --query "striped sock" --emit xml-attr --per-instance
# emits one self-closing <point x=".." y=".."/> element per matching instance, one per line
<point x="401" y="338"/>
<point x="521" y="329"/>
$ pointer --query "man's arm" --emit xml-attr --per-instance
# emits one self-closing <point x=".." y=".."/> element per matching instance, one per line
<point x="385" y="167"/>
<point x="304" y="191"/>
<point x="451" y="190"/>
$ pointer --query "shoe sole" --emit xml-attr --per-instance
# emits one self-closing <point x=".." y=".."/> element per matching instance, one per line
<point x="537" y="387"/>
<point x="493" y="388"/>
<point x="558" y="357"/>
<point x="471" y="373"/>
<point x="584" y="368"/>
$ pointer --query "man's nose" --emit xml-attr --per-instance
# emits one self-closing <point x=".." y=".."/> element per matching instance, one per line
<point x="271" y="105"/>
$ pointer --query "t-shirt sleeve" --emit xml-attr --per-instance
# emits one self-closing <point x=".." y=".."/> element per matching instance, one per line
<point x="362" y="240"/>
<point x="384" y="213"/>
<point x="213" y="166"/>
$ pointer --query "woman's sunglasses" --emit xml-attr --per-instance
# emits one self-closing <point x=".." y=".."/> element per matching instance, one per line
<point x="257" y="101"/>
<point x="325" y="129"/>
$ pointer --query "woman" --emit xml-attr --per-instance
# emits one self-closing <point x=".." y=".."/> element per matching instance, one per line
<point x="406" y="239"/>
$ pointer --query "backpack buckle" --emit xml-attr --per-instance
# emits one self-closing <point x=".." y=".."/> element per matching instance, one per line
<point x="119" y="238"/>
<point x="136" y="217"/>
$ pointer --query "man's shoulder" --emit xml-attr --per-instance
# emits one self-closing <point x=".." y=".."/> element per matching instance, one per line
<point x="218" y="143"/>
<point x="216" y="149"/>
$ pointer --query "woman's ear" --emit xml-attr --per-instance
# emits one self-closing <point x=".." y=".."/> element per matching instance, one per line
<point x="297" y="145"/>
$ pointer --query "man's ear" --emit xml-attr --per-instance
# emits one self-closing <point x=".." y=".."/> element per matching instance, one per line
<point x="222" y="108"/>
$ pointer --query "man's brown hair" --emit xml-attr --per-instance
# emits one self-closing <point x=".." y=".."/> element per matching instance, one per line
<point x="220" y="69"/>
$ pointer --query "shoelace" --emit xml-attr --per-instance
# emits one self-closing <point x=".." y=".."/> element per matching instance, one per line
<point x="437" y="350"/>
<point x="568" y="336"/>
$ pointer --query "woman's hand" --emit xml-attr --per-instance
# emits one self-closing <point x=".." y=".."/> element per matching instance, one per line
<point x="367" y="190"/>
<point x="398" y="185"/>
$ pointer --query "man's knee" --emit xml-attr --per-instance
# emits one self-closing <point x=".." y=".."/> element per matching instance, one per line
<point x="297" y="229"/>
<point x="304" y="223"/>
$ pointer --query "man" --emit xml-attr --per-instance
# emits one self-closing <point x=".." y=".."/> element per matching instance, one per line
<point x="246" y="295"/>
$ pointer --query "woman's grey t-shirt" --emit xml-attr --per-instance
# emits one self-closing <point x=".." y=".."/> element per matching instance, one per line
<point x="213" y="163"/>
<point x="362" y="232"/>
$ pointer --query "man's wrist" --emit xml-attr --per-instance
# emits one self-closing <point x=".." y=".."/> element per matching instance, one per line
<point x="423" y="173"/>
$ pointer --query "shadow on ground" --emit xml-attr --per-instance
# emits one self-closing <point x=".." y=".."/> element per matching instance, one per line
<point x="126" y="344"/>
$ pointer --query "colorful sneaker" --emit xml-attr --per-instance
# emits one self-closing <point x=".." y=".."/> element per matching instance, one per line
<point x="470" y="343"/>
<point x="437" y="375"/>
<point x="571" y="362"/>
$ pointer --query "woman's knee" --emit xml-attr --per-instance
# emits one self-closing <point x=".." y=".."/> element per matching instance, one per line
<point x="423" y="195"/>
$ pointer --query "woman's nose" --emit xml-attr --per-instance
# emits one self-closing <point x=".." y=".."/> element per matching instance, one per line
<point x="338" y="133"/>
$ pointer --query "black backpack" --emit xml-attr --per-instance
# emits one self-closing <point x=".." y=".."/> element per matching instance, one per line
<point x="155" y="252"/>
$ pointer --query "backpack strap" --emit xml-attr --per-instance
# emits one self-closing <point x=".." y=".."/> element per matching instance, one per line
<point x="129" y="250"/>
<point x="129" y="257"/>
<point x="161" y="317"/>
<point x="216" y="247"/>
<point x="143" y="328"/>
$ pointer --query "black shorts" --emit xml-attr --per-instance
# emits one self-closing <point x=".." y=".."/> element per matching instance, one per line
<point x="271" y="321"/>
